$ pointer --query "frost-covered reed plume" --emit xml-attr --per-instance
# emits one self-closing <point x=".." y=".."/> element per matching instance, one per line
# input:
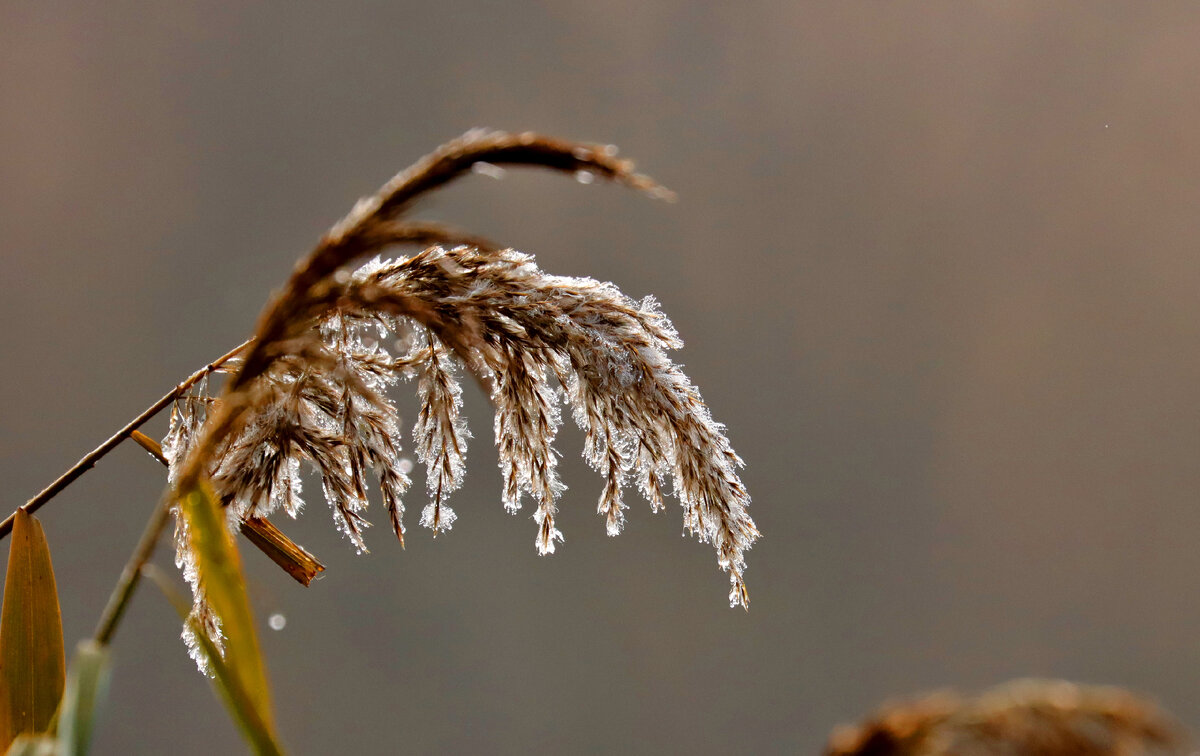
<point x="311" y="388"/>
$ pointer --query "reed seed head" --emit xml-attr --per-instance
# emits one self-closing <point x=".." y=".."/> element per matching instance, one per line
<point x="313" y="388"/>
<point x="1026" y="717"/>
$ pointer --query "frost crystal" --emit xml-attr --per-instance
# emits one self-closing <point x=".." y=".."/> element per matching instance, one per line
<point x="539" y="341"/>
<point x="440" y="433"/>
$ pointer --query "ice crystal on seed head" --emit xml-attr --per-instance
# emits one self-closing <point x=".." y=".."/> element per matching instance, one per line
<point x="440" y="433"/>
<point x="437" y="517"/>
<point x="539" y="341"/>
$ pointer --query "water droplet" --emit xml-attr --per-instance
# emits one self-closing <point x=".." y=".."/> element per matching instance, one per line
<point x="582" y="153"/>
<point x="342" y="276"/>
<point x="405" y="465"/>
<point x="585" y="177"/>
<point x="487" y="169"/>
<point x="662" y="193"/>
<point x="609" y="150"/>
<point x="277" y="621"/>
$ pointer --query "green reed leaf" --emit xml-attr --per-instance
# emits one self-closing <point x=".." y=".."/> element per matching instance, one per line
<point x="240" y="673"/>
<point x="33" y="745"/>
<point x="224" y="680"/>
<point x="220" y="568"/>
<point x="87" y="684"/>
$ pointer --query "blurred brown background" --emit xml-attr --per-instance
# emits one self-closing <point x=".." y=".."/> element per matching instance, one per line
<point x="936" y="263"/>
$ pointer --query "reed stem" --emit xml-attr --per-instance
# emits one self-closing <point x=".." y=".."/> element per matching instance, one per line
<point x="90" y="459"/>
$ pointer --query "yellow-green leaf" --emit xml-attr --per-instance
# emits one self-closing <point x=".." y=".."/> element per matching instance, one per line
<point x="32" y="661"/>
<point x="87" y="682"/>
<point x="33" y="745"/>
<point x="225" y="681"/>
<point x="220" y="569"/>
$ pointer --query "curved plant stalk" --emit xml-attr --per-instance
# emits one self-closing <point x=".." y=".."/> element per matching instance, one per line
<point x="363" y="232"/>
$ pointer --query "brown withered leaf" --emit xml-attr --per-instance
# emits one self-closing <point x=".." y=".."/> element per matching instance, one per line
<point x="32" y="659"/>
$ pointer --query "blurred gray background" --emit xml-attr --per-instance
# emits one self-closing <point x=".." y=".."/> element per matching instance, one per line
<point x="936" y="264"/>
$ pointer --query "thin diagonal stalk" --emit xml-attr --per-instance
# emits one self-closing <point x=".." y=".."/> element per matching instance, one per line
<point x="132" y="574"/>
<point x="91" y="458"/>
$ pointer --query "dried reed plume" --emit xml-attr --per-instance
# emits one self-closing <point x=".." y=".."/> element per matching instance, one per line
<point x="312" y="385"/>
<point x="1026" y="717"/>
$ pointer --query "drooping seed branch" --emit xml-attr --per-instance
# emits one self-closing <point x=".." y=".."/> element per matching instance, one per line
<point x="378" y="236"/>
<point x="365" y="230"/>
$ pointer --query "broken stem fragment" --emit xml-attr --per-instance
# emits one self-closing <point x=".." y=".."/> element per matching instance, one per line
<point x="293" y="558"/>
